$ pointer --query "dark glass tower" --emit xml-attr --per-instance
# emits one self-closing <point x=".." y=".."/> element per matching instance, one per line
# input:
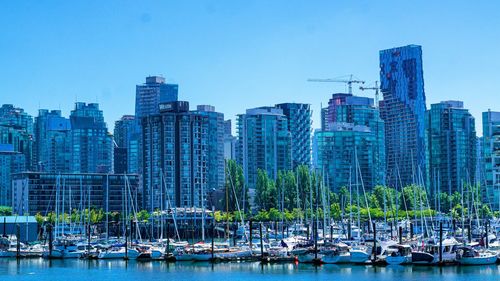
<point x="403" y="111"/>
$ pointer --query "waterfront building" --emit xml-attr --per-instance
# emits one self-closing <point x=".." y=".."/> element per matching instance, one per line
<point x="354" y="139"/>
<point x="300" y="126"/>
<point x="16" y="131"/>
<point x="264" y="142"/>
<point x="149" y="95"/>
<point x="126" y="150"/>
<point x="36" y="192"/>
<point x="229" y="141"/>
<point x="491" y="157"/>
<point x="92" y="144"/>
<point x="215" y="146"/>
<point x="52" y="150"/>
<point x="403" y="111"/>
<point x="175" y="157"/>
<point x="451" y="147"/>
<point x="10" y="162"/>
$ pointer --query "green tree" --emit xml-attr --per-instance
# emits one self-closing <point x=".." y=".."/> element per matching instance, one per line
<point x="5" y="211"/>
<point x="236" y="190"/>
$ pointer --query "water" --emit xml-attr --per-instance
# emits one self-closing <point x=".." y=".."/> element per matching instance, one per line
<point x="76" y="270"/>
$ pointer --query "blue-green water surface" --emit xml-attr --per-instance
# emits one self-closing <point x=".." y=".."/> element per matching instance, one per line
<point x="76" y="270"/>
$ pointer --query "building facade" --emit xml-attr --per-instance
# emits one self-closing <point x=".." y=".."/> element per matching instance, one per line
<point x="92" y="144"/>
<point x="126" y="136"/>
<point x="229" y="141"/>
<point x="403" y="111"/>
<point x="175" y="157"/>
<point x="16" y="131"/>
<point x="10" y="162"/>
<point x="300" y="126"/>
<point x="52" y="150"/>
<point x="216" y="127"/>
<point x="264" y="142"/>
<point x="491" y="157"/>
<point x="149" y="95"/>
<point x="353" y="146"/>
<point x="451" y="147"/>
<point x="35" y="192"/>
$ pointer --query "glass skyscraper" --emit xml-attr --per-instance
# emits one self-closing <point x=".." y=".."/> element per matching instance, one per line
<point x="491" y="158"/>
<point x="353" y="140"/>
<point x="92" y="144"/>
<point x="403" y="111"/>
<point x="451" y="147"/>
<point x="299" y="125"/>
<point x="53" y="147"/>
<point x="264" y="142"/>
<point x="10" y="162"/>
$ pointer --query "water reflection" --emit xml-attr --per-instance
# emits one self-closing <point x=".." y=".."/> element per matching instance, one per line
<point x="118" y="270"/>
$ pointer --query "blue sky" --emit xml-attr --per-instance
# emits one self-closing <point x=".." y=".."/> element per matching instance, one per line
<point x="239" y="54"/>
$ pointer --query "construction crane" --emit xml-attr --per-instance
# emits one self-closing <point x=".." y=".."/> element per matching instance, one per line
<point x="349" y="81"/>
<point x="376" y="88"/>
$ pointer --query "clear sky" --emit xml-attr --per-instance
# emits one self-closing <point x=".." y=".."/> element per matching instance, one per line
<point x="239" y="54"/>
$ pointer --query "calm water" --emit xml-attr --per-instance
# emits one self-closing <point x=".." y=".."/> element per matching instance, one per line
<point x="76" y="270"/>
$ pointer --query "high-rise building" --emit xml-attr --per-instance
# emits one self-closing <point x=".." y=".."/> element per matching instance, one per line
<point x="52" y="150"/>
<point x="353" y="143"/>
<point x="10" y="162"/>
<point x="451" y="147"/>
<point x="126" y="151"/>
<point x="491" y="157"/>
<point x="16" y="117"/>
<point x="403" y="111"/>
<point x="229" y="141"/>
<point x="16" y="131"/>
<point x="264" y="142"/>
<point x="175" y="157"/>
<point x="149" y="95"/>
<point x="215" y="153"/>
<point x="92" y="144"/>
<point x="299" y="125"/>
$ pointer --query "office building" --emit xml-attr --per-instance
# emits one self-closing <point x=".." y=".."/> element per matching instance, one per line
<point x="229" y="141"/>
<point x="16" y="132"/>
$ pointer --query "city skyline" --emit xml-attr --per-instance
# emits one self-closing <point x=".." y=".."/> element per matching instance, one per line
<point x="93" y="60"/>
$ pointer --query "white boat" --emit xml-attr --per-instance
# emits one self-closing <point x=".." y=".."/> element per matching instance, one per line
<point x="470" y="256"/>
<point x="398" y="254"/>
<point x="360" y="254"/>
<point x="306" y="255"/>
<point x="118" y="253"/>
<point x="338" y="254"/>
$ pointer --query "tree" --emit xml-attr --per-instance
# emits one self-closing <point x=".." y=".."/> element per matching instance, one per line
<point x="236" y="189"/>
<point x="5" y="211"/>
<point x="143" y="216"/>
